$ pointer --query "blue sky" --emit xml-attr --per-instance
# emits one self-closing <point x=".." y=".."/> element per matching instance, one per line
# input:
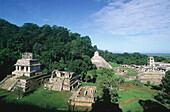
<point x="115" y="25"/>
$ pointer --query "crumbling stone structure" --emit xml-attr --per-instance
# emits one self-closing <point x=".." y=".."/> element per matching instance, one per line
<point x="99" y="61"/>
<point x="153" y="72"/>
<point x="83" y="97"/>
<point x="27" y="66"/>
<point x="62" y="81"/>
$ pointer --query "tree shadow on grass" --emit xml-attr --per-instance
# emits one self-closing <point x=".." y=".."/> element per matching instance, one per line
<point x="152" y="106"/>
<point x="1" y="97"/>
<point x="106" y="105"/>
<point x="155" y="87"/>
<point x="13" y="107"/>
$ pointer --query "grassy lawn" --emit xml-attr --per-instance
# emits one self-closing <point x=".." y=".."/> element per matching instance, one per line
<point x="130" y="72"/>
<point x="130" y="96"/>
<point x="23" y="77"/>
<point x="88" y="84"/>
<point x="41" y="98"/>
<point x="114" y="64"/>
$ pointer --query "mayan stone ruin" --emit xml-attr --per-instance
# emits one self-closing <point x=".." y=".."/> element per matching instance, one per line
<point x="153" y="71"/>
<point x="62" y="81"/>
<point x="27" y="66"/>
<point x="83" y="97"/>
<point x="99" y="61"/>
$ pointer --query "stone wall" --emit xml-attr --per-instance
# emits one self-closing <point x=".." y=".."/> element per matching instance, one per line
<point x="62" y="81"/>
<point x="83" y="97"/>
<point x="154" y="78"/>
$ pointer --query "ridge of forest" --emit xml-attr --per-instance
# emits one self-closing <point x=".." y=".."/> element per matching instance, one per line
<point x="56" y="48"/>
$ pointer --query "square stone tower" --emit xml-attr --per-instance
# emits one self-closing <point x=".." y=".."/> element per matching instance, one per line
<point x="151" y="61"/>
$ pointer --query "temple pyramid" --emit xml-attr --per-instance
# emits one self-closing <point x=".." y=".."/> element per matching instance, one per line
<point x="99" y="61"/>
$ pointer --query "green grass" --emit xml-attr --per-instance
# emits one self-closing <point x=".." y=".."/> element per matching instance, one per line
<point x="41" y="98"/>
<point x="126" y="76"/>
<point x="114" y="64"/>
<point x="130" y="72"/>
<point x="130" y="95"/>
<point x="88" y="84"/>
<point x="23" y="77"/>
<point x="128" y="81"/>
<point x="133" y="107"/>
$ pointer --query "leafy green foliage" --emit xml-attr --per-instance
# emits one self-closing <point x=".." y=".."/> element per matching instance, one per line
<point x="163" y="96"/>
<point x="166" y="83"/>
<point x="148" y="83"/>
<point x="107" y="81"/>
<point x="18" y="91"/>
<point x="137" y="82"/>
<point x="125" y="58"/>
<point x="56" y="48"/>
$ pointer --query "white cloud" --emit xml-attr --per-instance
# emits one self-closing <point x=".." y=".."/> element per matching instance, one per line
<point x="134" y="17"/>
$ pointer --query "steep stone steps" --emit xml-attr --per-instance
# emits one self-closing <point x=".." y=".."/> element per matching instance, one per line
<point x="6" y="84"/>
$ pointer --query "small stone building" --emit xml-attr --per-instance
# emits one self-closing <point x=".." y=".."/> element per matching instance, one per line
<point x="83" y="97"/>
<point x="62" y="81"/>
<point x="27" y="66"/>
<point x="99" y="61"/>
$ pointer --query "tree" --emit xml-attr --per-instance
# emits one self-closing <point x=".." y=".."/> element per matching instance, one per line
<point x="166" y="83"/>
<point x="137" y="82"/>
<point x="148" y="83"/>
<point x="19" y="92"/>
<point x="106" y="81"/>
<point x="163" y="96"/>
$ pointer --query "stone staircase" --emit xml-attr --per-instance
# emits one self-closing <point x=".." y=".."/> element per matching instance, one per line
<point x="8" y="83"/>
<point x="58" y="84"/>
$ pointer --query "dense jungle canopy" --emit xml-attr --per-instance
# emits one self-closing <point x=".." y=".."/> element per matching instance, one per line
<point x="55" y="47"/>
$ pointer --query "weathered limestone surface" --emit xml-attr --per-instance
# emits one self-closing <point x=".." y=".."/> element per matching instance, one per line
<point x="62" y="80"/>
<point x="153" y="72"/>
<point x="8" y="83"/>
<point x="27" y="66"/>
<point x="99" y="61"/>
<point x="154" y="78"/>
<point x="151" y="61"/>
<point x="83" y="97"/>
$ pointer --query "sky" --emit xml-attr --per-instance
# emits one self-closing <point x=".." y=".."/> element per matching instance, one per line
<point x="114" y="25"/>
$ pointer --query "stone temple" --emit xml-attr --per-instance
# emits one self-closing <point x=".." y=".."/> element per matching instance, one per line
<point x="99" y="61"/>
<point x="62" y="81"/>
<point x="27" y="66"/>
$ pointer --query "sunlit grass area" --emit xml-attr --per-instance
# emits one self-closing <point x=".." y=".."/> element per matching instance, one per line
<point x="130" y="72"/>
<point x="130" y="95"/>
<point x="114" y="64"/>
